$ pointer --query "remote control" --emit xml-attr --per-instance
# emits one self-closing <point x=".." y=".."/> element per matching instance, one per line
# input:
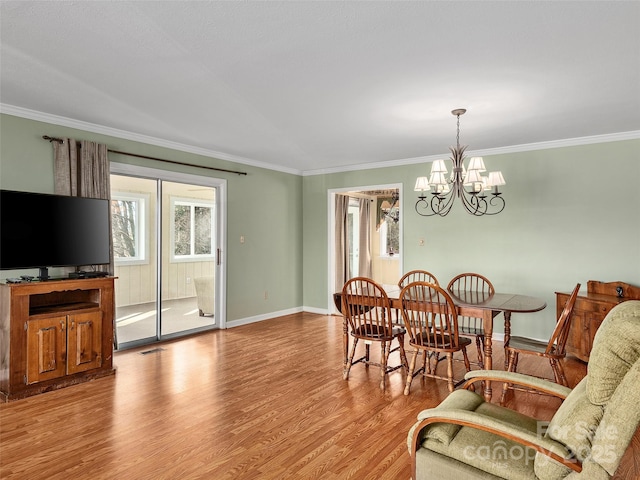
<point x="14" y="280"/>
<point x="26" y="278"/>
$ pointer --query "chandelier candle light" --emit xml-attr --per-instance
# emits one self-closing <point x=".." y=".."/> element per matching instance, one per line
<point x="444" y="191"/>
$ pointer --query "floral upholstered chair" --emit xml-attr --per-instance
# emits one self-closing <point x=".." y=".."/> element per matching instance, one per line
<point x="465" y="437"/>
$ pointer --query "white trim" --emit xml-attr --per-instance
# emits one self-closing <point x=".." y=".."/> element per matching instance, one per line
<point x="527" y="147"/>
<point x="142" y="215"/>
<point x="331" y="215"/>
<point x="262" y="317"/>
<point x="136" y="137"/>
<point x="191" y="202"/>
<point x="317" y="311"/>
<point x="114" y="132"/>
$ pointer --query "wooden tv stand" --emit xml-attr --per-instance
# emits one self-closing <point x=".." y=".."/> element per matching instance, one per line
<point x="54" y="334"/>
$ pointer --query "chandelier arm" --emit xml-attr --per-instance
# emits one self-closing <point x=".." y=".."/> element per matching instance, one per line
<point x="444" y="207"/>
<point x="500" y="202"/>
<point x="474" y="204"/>
<point x="439" y="204"/>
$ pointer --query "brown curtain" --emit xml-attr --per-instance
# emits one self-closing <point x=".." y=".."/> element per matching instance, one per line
<point x="81" y="169"/>
<point x="65" y="167"/>
<point x="364" y="263"/>
<point x="343" y="272"/>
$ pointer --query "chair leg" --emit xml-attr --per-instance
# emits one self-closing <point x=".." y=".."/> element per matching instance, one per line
<point x="479" y="344"/>
<point x="563" y="378"/>
<point x="450" y="371"/>
<point x="558" y="372"/>
<point x="403" y="353"/>
<point x="412" y="367"/>
<point x="384" y="359"/>
<point x="511" y="367"/>
<point x="436" y="357"/>
<point x="347" y="368"/>
<point x="467" y="365"/>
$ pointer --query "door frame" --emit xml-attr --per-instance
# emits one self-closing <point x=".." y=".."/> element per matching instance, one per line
<point x="221" y="226"/>
<point x="331" y="216"/>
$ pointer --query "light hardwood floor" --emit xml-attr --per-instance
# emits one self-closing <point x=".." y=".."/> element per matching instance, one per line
<point x="261" y="401"/>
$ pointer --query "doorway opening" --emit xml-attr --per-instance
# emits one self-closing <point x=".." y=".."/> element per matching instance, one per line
<point x="365" y="235"/>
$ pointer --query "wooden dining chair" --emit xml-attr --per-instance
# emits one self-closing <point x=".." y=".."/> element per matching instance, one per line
<point x="553" y="350"/>
<point x="431" y="320"/>
<point x="366" y="307"/>
<point x="410" y="277"/>
<point x="417" y="276"/>
<point x="480" y="288"/>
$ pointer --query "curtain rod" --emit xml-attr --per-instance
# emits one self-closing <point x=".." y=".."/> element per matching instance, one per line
<point x="60" y="140"/>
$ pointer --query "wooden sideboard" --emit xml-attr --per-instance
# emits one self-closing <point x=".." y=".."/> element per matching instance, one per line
<point x="590" y="310"/>
<point x="54" y="334"/>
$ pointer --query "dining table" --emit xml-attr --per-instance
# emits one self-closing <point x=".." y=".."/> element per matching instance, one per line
<point x="469" y="304"/>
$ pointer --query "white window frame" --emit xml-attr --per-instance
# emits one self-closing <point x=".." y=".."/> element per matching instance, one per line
<point x="192" y="202"/>
<point x="142" y="201"/>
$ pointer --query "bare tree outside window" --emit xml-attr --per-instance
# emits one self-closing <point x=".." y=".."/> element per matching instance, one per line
<point x="123" y="218"/>
<point x="202" y="230"/>
<point x="192" y="229"/>
<point x="393" y="233"/>
<point x="182" y="230"/>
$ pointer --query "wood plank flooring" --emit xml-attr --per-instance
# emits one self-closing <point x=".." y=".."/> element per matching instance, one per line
<point x="261" y="401"/>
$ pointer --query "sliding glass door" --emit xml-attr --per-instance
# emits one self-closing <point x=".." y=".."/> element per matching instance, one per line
<point x="167" y="251"/>
<point x="188" y="257"/>
<point x="134" y="227"/>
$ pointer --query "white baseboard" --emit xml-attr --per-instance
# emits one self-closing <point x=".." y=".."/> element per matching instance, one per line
<point x="264" y="316"/>
<point x="498" y="337"/>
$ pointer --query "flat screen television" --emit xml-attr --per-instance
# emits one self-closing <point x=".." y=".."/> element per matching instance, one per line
<point x="42" y="230"/>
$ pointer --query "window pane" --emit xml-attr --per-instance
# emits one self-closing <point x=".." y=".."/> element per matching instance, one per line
<point x="182" y="226"/>
<point x="393" y="234"/>
<point x="124" y="229"/>
<point x="202" y="241"/>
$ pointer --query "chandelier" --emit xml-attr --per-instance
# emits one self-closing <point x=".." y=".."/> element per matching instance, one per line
<point x="467" y="184"/>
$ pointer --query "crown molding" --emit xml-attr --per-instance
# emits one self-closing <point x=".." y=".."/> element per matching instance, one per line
<point x="114" y="132"/>
<point x="527" y="147"/>
<point x="158" y="142"/>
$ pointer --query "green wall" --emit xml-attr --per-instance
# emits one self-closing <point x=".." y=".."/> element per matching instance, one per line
<point x="572" y="215"/>
<point x="265" y="206"/>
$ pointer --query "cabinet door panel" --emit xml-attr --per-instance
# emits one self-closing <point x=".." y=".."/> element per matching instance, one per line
<point x="84" y="342"/>
<point x="46" y="352"/>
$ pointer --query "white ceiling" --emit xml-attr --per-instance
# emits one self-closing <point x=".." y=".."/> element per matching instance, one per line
<point x="312" y="85"/>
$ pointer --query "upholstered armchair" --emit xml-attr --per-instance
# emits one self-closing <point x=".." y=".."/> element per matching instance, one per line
<point x="205" y="293"/>
<point x="465" y="437"/>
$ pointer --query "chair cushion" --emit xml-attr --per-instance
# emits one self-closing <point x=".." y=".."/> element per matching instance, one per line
<point x="463" y="449"/>
<point x="574" y="425"/>
<point x="458" y="400"/>
<point x="619" y="423"/>
<point x="487" y="452"/>
<point x="431" y="465"/>
<point x="616" y="347"/>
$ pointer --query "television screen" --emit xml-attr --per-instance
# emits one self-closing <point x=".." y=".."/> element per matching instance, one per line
<point x="42" y="230"/>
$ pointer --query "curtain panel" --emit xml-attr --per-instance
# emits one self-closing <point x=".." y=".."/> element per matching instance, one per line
<point x="343" y="272"/>
<point x="81" y="169"/>
<point x="364" y="264"/>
